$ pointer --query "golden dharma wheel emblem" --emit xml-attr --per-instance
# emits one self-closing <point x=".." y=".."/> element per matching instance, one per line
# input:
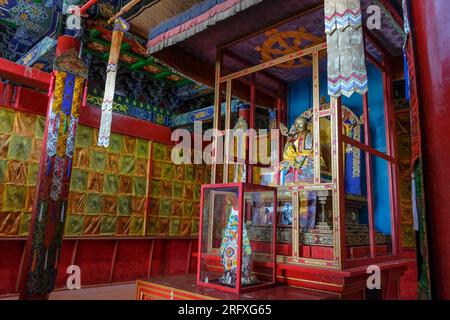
<point x="278" y="44"/>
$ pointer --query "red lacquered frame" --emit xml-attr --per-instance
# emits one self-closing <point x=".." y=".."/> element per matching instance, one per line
<point x="242" y="188"/>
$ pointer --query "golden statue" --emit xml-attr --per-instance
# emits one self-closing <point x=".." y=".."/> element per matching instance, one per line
<point x="298" y="151"/>
<point x="299" y="146"/>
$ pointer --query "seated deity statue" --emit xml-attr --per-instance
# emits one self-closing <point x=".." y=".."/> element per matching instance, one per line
<point x="298" y="151"/>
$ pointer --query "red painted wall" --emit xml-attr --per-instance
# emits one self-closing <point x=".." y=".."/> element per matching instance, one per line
<point x="104" y="261"/>
<point x="431" y="25"/>
<point x="11" y="253"/>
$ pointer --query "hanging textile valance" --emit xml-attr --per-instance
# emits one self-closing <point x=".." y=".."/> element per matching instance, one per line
<point x="347" y="71"/>
<point x="193" y="21"/>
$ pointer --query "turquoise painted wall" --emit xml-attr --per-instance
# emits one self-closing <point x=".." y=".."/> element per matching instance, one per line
<point x="300" y="99"/>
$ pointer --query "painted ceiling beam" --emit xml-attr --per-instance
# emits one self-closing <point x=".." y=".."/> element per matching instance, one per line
<point x="142" y="60"/>
<point x="139" y="64"/>
<point x="94" y="33"/>
<point x="39" y="50"/>
<point x="163" y="74"/>
<point x="125" y="46"/>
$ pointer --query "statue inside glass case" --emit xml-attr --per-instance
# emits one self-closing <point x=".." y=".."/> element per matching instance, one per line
<point x="229" y="250"/>
<point x="298" y="151"/>
<point x="314" y="209"/>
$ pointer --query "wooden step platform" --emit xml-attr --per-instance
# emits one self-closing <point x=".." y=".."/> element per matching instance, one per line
<point x="185" y="288"/>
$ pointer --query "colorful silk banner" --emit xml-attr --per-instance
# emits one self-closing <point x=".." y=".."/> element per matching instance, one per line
<point x="347" y="71"/>
<point x="107" y="106"/>
<point x="53" y="184"/>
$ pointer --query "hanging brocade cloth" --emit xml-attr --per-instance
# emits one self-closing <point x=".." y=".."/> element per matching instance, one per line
<point x="120" y="26"/>
<point x="347" y="71"/>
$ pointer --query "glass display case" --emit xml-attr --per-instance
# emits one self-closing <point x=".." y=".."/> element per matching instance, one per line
<point x="237" y="237"/>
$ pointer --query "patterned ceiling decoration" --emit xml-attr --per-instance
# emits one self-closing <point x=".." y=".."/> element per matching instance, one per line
<point x="280" y="43"/>
<point x="103" y="9"/>
<point x="7" y="49"/>
<point x="193" y="91"/>
<point x="24" y="23"/>
<point x="134" y="86"/>
<point x="140" y="96"/>
<point x="106" y="8"/>
<point x="40" y="53"/>
<point x="41" y="56"/>
<point x="146" y="88"/>
<point x="302" y="32"/>
<point x="133" y="54"/>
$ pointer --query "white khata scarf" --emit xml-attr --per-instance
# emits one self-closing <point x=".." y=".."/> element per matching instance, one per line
<point x="347" y="71"/>
<point x="120" y="26"/>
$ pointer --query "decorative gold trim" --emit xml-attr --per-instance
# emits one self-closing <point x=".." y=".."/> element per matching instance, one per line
<point x="227" y="132"/>
<point x="316" y="122"/>
<point x="217" y="113"/>
<point x="175" y="289"/>
<point x="312" y="281"/>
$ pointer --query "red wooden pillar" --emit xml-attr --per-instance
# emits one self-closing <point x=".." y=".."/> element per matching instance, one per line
<point x="430" y="25"/>
<point x="43" y="247"/>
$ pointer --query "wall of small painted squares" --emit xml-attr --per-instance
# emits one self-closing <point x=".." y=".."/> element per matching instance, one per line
<point x="175" y="195"/>
<point x="20" y="148"/>
<point x="109" y="189"/>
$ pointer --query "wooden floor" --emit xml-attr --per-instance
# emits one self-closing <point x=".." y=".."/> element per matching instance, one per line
<point x="110" y="292"/>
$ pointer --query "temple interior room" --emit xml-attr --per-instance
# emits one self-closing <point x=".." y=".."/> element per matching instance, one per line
<point x="224" y="150"/>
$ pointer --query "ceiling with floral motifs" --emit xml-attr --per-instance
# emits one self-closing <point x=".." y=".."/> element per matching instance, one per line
<point x="23" y="23"/>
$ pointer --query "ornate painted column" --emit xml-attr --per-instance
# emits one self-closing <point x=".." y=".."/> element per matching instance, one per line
<point x="49" y="212"/>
